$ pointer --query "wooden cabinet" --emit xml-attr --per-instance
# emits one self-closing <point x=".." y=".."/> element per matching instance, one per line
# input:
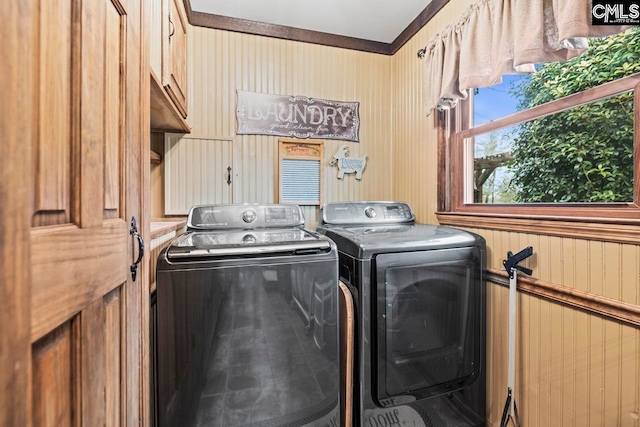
<point x="73" y="321"/>
<point x="168" y="63"/>
<point x="174" y="58"/>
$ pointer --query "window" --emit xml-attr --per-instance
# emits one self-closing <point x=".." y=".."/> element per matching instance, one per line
<point x="547" y="150"/>
<point x="583" y="155"/>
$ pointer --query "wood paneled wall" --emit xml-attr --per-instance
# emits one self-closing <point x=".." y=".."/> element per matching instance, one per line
<point x="221" y="62"/>
<point x="415" y="165"/>
<point x="195" y="172"/>
<point x="573" y="368"/>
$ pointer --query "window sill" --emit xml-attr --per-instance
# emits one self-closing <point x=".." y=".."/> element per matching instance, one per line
<point x="601" y="229"/>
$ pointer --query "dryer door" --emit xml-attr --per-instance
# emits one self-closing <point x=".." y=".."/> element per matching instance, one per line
<point x="428" y="315"/>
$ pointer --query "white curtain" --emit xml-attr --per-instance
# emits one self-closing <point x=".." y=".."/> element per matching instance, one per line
<point x="497" y="37"/>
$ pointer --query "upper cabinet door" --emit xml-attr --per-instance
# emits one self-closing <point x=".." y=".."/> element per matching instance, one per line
<point x="174" y="62"/>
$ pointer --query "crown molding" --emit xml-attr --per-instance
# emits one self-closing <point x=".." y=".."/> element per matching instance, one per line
<point x="219" y="22"/>
<point x="187" y="9"/>
<point x="416" y="25"/>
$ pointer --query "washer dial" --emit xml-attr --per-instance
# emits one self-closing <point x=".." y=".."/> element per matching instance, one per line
<point x="248" y="216"/>
<point x="370" y="212"/>
<point x="249" y="238"/>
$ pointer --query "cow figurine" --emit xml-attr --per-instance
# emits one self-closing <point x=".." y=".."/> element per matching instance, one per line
<point x="347" y="164"/>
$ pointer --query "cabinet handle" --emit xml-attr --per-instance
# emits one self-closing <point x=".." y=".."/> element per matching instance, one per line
<point x="228" y="175"/>
<point x="172" y="28"/>
<point x="134" y="232"/>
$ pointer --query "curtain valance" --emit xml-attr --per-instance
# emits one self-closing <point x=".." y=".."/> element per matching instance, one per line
<point x="497" y="37"/>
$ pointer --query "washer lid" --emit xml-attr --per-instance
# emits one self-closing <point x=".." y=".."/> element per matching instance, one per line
<point x="295" y="241"/>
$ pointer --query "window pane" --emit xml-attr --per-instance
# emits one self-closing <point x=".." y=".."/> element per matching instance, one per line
<point x="494" y="102"/>
<point x="607" y="59"/>
<point x="584" y="154"/>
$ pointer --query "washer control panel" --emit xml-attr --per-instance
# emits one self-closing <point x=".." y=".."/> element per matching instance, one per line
<point x="227" y="217"/>
<point x="343" y="213"/>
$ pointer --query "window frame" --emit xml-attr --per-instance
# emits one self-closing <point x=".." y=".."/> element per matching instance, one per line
<point x="601" y="221"/>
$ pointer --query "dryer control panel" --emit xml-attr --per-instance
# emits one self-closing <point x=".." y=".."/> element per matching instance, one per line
<point x="345" y="213"/>
<point x="229" y="217"/>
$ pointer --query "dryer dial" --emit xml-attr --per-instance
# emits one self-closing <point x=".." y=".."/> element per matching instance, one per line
<point x="370" y="213"/>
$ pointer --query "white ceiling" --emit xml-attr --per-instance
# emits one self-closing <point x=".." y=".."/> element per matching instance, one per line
<point x="377" y="20"/>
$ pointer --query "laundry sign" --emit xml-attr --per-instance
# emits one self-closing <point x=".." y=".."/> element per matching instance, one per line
<point x="296" y="116"/>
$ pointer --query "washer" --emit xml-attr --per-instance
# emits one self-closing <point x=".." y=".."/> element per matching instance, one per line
<point x="420" y="314"/>
<point x="247" y="331"/>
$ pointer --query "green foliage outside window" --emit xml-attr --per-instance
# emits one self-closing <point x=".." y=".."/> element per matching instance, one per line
<point x="584" y="154"/>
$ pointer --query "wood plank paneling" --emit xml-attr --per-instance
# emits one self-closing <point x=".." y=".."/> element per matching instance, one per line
<point x="53" y="378"/>
<point x="595" y="371"/>
<point x="629" y="374"/>
<point x="612" y="375"/>
<point x="414" y="135"/>
<point x="221" y="62"/>
<point x="629" y="272"/>
<point x="113" y="113"/>
<point x="573" y="368"/>
<point x="195" y="172"/>
<point x="582" y="380"/>
<point x="53" y="145"/>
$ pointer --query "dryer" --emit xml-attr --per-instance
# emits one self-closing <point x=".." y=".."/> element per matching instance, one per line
<point x="247" y="321"/>
<point x="420" y="315"/>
